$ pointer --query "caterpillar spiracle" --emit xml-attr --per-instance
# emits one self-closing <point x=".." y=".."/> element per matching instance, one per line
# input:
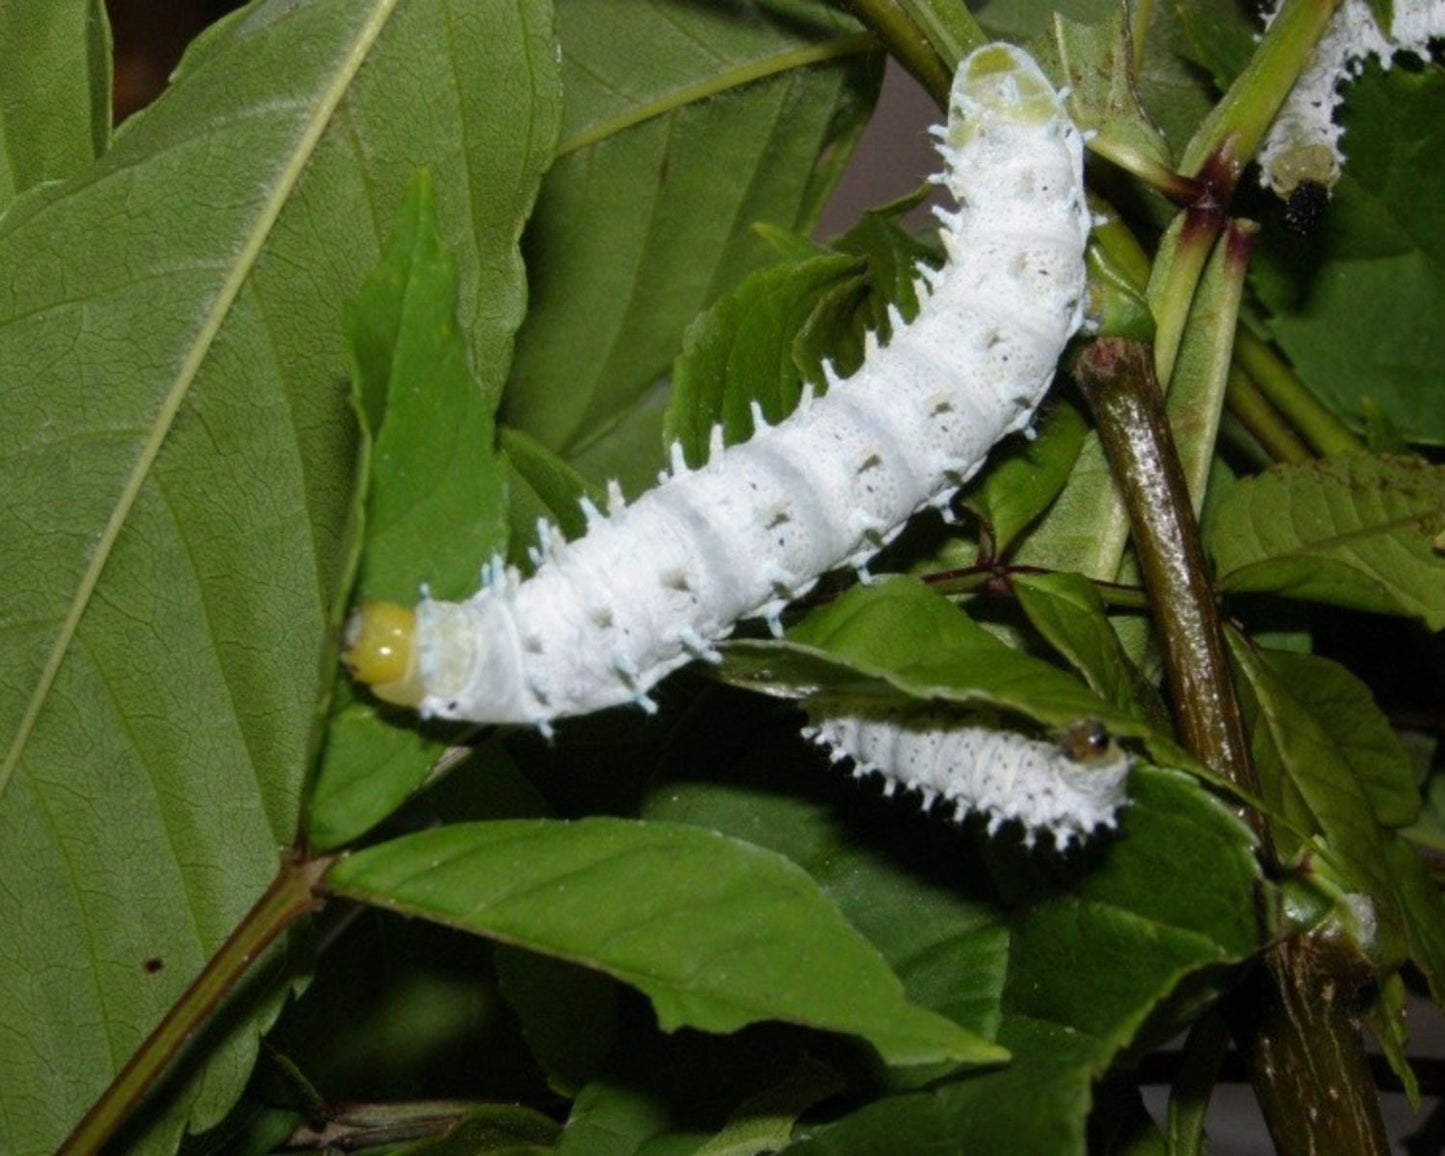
<point x="1067" y="789"/>
<point x="1301" y="154"/>
<point x="652" y="586"/>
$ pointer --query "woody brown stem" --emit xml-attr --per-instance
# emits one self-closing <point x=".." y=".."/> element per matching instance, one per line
<point x="1308" y="1062"/>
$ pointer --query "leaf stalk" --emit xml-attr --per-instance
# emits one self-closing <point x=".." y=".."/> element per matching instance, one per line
<point x="291" y="895"/>
<point x="1284" y="390"/>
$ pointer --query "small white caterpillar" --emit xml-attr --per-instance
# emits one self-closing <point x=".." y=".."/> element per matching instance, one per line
<point x="1302" y="147"/>
<point x="1066" y="788"/>
<point x="650" y="587"/>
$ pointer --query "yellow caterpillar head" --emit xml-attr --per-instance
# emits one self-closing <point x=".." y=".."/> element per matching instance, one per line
<point x="380" y="652"/>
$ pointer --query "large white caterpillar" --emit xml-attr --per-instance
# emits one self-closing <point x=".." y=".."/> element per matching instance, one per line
<point x="1067" y="788"/>
<point x="652" y="586"/>
<point x="1303" y="147"/>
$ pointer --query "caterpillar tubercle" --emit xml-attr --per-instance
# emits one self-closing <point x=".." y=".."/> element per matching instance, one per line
<point x="652" y="586"/>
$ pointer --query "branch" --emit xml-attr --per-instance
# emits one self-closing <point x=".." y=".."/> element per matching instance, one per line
<point x="290" y="896"/>
<point x="1309" y="1066"/>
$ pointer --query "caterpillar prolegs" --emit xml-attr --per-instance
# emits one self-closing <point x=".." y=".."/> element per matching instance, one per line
<point x="1067" y="788"/>
<point x="652" y="586"/>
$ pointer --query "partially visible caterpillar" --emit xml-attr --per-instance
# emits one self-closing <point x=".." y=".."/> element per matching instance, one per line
<point x="1302" y="150"/>
<point x="651" y="587"/>
<point x="1067" y="789"/>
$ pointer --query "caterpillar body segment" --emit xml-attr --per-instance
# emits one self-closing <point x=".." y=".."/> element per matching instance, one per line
<point x="652" y="586"/>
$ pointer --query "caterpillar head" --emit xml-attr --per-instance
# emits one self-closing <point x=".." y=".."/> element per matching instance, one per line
<point x="1001" y="82"/>
<point x="380" y="652"/>
<point x="1089" y="742"/>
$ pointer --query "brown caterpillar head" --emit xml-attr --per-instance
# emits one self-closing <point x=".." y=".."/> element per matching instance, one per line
<point x="380" y="653"/>
<point x="1088" y="741"/>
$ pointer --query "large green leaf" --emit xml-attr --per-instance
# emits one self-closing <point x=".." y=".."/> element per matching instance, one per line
<point x="717" y="933"/>
<point x="1355" y="531"/>
<point x="54" y="91"/>
<point x="1357" y="306"/>
<point x="177" y="467"/>
<point x="686" y="123"/>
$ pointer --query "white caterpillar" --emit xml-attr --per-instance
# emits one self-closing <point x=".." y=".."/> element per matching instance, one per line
<point x="1067" y="788"/>
<point x="1303" y="143"/>
<point x="651" y="587"/>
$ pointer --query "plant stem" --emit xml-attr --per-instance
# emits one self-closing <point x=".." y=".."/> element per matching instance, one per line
<point x="1116" y="376"/>
<point x="1232" y="132"/>
<point x="949" y="27"/>
<point x="1182" y="254"/>
<point x="290" y="896"/>
<point x="1262" y="420"/>
<point x="908" y="44"/>
<point x="1277" y="382"/>
<point x="1309" y="1067"/>
<point x="1201" y="367"/>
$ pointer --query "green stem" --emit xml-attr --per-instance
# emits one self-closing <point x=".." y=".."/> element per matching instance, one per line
<point x="290" y="896"/>
<point x="908" y="44"/>
<point x="1309" y="1067"/>
<point x="949" y="27"/>
<point x="1201" y="370"/>
<point x="1141" y="13"/>
<point x="1177" y="269"/>
<point x="1277" y="382"/>
<point x="1231" y="134"/>
<point x="1275" y="435"/>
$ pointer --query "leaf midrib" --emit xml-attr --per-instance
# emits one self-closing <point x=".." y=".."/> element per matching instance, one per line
<point x="190" y="366"/>
<point x="760" y="69"/>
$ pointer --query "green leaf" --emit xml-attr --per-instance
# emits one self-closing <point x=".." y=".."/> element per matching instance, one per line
<point x="437" y="502"/>
<point x="178" y="469"/>
<point x="897" y="635"/>
<point x="1345" y="709"/>
<point x="1354" y="531"/>
<point x="1357" y="307"/>
<point x="1424" y="909"/>
<point x="686" y="124"/>
<point x="740" y="352"/>
<point x="717" y="933"/>
<point x="1023" y="483"/>
<point x="542" y="486"/>
<point x="1070" y="957"/>
<point x="1307" y="776"/>
<point x="1096" y="60"/>
<point x="54" y="91"/>
<point x="568" y="1013"/>
<point x="1067" y="610"/>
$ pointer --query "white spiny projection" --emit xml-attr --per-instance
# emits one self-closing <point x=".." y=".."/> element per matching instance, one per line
<point x="1067" y="789"/>
<point x="1303" y="144"/>
<point x="652" y="586"/>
